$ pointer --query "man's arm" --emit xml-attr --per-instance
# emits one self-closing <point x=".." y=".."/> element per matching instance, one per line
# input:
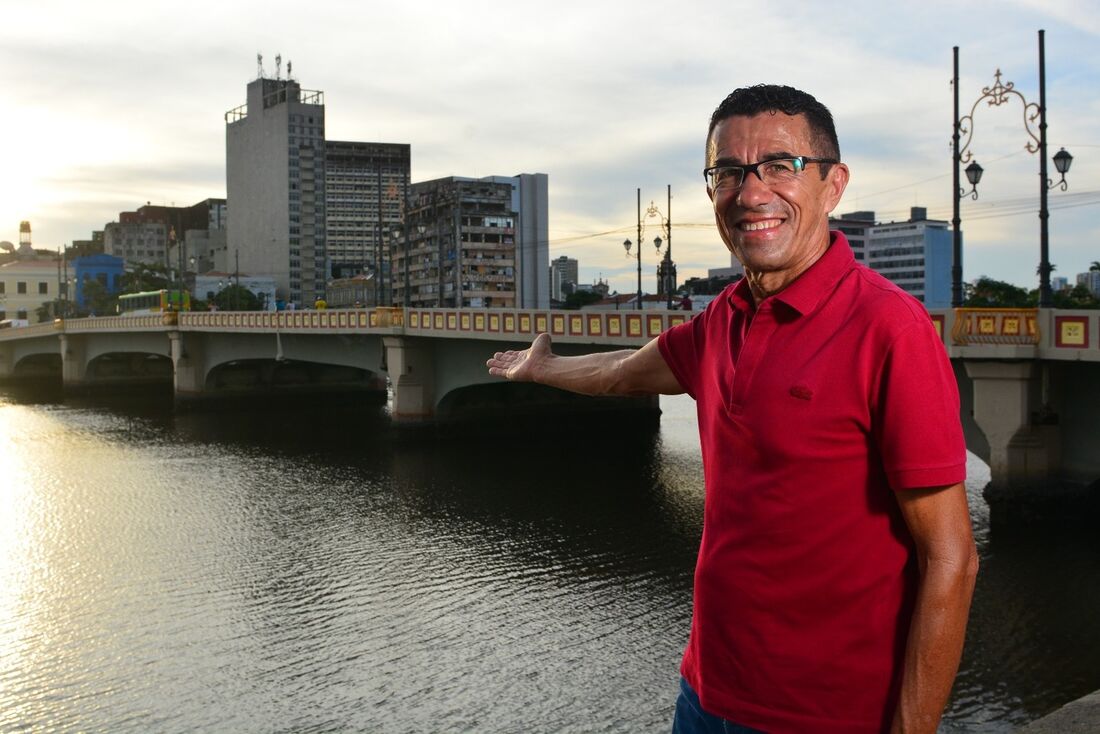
<point x="627" y="372"/>
<point x="939" y="522"/>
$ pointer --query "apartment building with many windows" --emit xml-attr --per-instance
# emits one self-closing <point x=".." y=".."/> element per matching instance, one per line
<point x="914" y="254"/>
<point x="365" y="185"/>
<point x="475" y="243"/>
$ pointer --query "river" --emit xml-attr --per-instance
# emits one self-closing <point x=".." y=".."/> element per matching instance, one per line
<point x="315" y="570"/>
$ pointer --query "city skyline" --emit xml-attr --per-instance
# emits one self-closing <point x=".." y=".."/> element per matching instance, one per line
<point x="604" y="102"/>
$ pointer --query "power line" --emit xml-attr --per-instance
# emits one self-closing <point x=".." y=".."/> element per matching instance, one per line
<point x="985" y="210"/>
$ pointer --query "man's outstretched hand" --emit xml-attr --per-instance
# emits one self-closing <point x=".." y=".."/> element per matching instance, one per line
<point x="521" y="366"/>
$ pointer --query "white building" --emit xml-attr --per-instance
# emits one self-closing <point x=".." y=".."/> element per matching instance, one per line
<point x="27" y="284"/>
<point x="275" y="182"/>
<point x="210" y="284"/>
<point x="137" y="242"/>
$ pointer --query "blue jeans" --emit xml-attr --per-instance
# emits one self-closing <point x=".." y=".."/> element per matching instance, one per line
<point x="690" y="717"/>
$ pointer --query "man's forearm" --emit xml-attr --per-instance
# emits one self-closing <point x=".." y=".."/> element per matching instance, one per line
<point x="625" y="372"/>
<point x="935" y="644"/>
<point x="600" y="373"/>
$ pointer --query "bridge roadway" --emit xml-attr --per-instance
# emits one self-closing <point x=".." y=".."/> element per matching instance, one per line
<point x="1028" y="378"/>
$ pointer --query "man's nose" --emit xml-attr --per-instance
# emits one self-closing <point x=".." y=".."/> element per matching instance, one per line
<point x="753" y="191"/>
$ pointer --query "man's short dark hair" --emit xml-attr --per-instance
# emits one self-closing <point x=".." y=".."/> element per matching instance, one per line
<point x="749" y="101"/>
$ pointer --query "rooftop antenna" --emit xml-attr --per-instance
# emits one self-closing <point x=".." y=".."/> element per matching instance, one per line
<point x="259" y="66"/>
<point x="278" y="65"/>
<point x="288" y="65"/>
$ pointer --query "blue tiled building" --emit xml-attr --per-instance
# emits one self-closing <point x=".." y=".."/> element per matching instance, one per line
<point x="107" y="269"/>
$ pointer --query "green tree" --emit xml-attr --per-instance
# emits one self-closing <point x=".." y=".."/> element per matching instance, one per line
<point x="989" y="293"/>
<point x="1077" y="297"/>
<point x="236" y="298"/>
<point x="577" y="299"/>
<point x="1094" y="266"/>
<point x="97" y="300"/>
<point x="144" y="278"/>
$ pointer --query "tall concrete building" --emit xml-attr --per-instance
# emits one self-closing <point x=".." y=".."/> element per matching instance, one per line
<point x="531" y="202"/>
<point x="475" y="243"/>
<point x="562" y="270"/>
<point x="275" y="183"/>
<point x="856" y="227"/>
<point x="137" y="242"/>
<point x="365" y="185"/>
<point x="914" y="254"/>
<point x="1091" y="281"/>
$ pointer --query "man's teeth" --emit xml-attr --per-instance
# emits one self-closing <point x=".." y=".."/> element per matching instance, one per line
<point x="753" y="226"/>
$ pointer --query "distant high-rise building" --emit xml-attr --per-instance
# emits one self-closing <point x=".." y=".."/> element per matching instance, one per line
<point x="1090" y="280"/>
<point x="1059" y="283"/>
<point x="856" y="227"/>
<point x="562" y="270"/>
<point x="915" y="254"/>
<point x="150" y="234"/>
<point x="466" y="243"/>
<point x="365" y="185"/>
<point x="137" y="241"/>
<point x="275" y="183"/>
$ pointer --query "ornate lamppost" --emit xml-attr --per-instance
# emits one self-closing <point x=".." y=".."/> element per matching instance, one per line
<point x="995" y="96"/>
<point x="665" y="224"/>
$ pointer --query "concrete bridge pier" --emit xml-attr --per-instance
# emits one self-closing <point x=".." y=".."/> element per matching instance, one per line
<point x="7" y="361"/>
<point x="74" y="361"/>
<point x="411" y="365"/>
<point x="1012" y="407"/>
<point x="188" y="363"/>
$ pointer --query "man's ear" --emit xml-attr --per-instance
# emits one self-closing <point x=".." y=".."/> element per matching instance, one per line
<point x="836" y="181"/>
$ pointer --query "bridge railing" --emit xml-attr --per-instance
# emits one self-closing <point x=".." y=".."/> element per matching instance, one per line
<point x="976" y="326"/>
<point x="599" y="326"/>
<point x="322" y="319"/>
<point x="23" y="332"/>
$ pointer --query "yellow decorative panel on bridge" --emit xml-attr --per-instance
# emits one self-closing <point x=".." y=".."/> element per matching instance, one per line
<point x="995" y="326"/>
<point x="1071" y="331"/>
<point x="595" y="325"/>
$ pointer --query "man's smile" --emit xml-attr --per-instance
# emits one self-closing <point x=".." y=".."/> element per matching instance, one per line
<point x="758" y="224"/>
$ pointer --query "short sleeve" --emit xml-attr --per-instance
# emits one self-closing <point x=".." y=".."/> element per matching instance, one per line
<point x="681" y="347"/>
<point x="918" y="428"/>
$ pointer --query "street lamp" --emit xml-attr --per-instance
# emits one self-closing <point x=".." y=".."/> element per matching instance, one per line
<point x="997" y="95"/>
<point x="665" y="223"/>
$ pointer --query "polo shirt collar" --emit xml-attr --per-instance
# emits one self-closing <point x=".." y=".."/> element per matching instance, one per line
<point x="806" y="292"/>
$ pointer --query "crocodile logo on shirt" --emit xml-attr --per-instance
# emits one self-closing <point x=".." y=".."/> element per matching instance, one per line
<point x="802" y="392"/>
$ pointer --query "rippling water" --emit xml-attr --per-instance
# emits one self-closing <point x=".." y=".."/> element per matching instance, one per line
<point x="289" y="571"/>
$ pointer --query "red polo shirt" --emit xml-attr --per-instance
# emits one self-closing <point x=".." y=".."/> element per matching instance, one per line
<point x="813" y="407"/>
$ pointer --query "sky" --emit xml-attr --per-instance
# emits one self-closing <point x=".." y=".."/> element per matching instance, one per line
<point x="106" y="106"/>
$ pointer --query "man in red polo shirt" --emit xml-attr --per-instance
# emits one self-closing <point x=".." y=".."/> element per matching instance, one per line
<point x="837" y="563"/>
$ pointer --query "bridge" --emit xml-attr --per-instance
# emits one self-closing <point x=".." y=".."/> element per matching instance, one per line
<point x="1027" y="377"/>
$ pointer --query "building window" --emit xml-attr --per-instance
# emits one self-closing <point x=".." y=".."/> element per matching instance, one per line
<point x="3" y="287"/>
<point x="43" y="288"/>
<point x="21" y="287"/>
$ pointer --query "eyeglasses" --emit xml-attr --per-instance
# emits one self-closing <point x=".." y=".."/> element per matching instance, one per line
<point x="772" y="172"/>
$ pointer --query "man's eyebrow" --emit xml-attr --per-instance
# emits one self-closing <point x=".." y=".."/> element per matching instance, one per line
<point x="770" y="156"/>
